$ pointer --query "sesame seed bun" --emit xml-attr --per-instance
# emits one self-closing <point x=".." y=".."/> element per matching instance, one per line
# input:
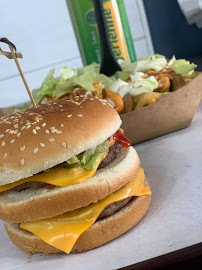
<point x="101" y="232"/>
<point x="34" y="140"/>
<point x="19" y="204"/>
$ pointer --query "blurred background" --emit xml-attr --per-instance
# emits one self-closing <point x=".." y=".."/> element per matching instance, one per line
<point x="43" y="32"/>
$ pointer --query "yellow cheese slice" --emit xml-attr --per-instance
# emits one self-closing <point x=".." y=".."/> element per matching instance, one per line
<point x="58" y="177"/>
<point x="63" y="231"/>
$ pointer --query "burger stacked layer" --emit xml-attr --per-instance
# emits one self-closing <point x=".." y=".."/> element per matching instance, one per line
<point x="70" y="181"/>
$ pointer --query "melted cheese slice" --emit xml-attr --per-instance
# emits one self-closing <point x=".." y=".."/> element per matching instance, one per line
<point x="58" y="177"/>
<point x="63" y="231"/>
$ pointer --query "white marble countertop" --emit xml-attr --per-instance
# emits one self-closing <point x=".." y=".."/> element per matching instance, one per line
<point x="174" y="220"/>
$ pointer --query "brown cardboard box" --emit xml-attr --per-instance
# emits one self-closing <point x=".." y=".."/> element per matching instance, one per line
<point x="173" y="112"/>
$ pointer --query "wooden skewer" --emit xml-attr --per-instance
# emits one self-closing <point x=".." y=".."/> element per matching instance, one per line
<point x="22" y="76"/>
<point x="9" y="55"/>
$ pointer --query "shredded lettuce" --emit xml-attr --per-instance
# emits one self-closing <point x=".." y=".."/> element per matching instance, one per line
<point x="181" y="66"/>
<point x="144" y="86"/>
<point x="126" y="66"/>
<point x="106" y="82"/>
<point x="86" y="80"/>
<point x="70" y="79"/>
<point x="47" y="86"/>
<point x="66" y="73"/>
<point x="138" y="85"/>
<point x="143" y="64"/>
<point x="89" y="158"/>
<point x="155" y="62"/>
<point x="93" y="160"/>
<point x="90" y="68"/>
<point x="85" y="77"/>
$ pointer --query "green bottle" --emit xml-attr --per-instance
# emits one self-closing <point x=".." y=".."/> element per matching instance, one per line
<point x="85" y="27"/>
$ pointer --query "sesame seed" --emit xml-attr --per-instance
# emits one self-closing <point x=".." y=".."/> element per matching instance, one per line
<point x="22" y="148"/>
<point x="42" y="144"/>
<point x="16" y="126"/>
<point x="28" y="126"/>
<point x="79" y="115"/>
<point x="34" y="131"/>
<point x="22" y="161"/>
<point x="69" y="115"/>
<point x="64" y="144"/>
<point x="7" y="130"/>
<point x="46" y="163"/>
<point x="52" y="128"/>
<point x="61" y="125"/>
<point x="1" y="136"/>
<point x="51" y="140"/>
<point x="43" y="125"/>
<point x="18" y="135"/>
<point x="5" y="155"/>
<point x="58" y="132"/>
<point x="37" y="128"/>
<point x="47" y="131"/>
<point x="12" y="141"/>
<point x="3" y="143"/>
<point x="36" y="150"/>
<point x="23" y="127"/>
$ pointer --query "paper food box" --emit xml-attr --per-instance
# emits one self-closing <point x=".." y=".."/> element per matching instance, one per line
<point x="173" y="112"/>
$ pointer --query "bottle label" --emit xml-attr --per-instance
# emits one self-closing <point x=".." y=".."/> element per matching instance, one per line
<point x="85" y="27"/>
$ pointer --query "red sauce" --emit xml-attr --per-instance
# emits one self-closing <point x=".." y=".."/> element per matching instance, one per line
<point x="120" y="138"/>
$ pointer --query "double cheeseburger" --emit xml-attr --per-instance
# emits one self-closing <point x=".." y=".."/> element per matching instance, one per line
<point x="69" y="179"/>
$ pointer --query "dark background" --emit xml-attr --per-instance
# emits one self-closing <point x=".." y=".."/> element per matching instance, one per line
<point x="170" y="32"/>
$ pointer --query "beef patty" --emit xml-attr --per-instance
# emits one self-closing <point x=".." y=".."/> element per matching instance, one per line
<point x="113" y="151"/>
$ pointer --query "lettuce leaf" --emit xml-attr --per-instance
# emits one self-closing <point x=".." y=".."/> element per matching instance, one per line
<point x="66" y="73"/>
<point x="143" y="64"/>
<point x="141" y="86"/>
<point x="137" y="86"/>
<point x="47" y="86"/>
<point x="181" y="66"/>
<point x="90" y="68"/>
<point x="89" y="158"/>
<point x="122" y="75"/>
<point x="155" y="62"/>
<point x="85" y="80"/>
<point x="106" y="82"/>
<point x="93" y="160"/>
<point x="127" y="67"/>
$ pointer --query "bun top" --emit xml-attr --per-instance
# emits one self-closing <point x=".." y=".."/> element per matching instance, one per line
<point x="35" y="140"/>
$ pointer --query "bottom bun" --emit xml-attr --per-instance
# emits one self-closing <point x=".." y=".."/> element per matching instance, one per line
<point x="102" y="232"/>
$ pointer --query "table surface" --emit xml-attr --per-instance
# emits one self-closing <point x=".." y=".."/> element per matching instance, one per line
<point x="172" y="164"/>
